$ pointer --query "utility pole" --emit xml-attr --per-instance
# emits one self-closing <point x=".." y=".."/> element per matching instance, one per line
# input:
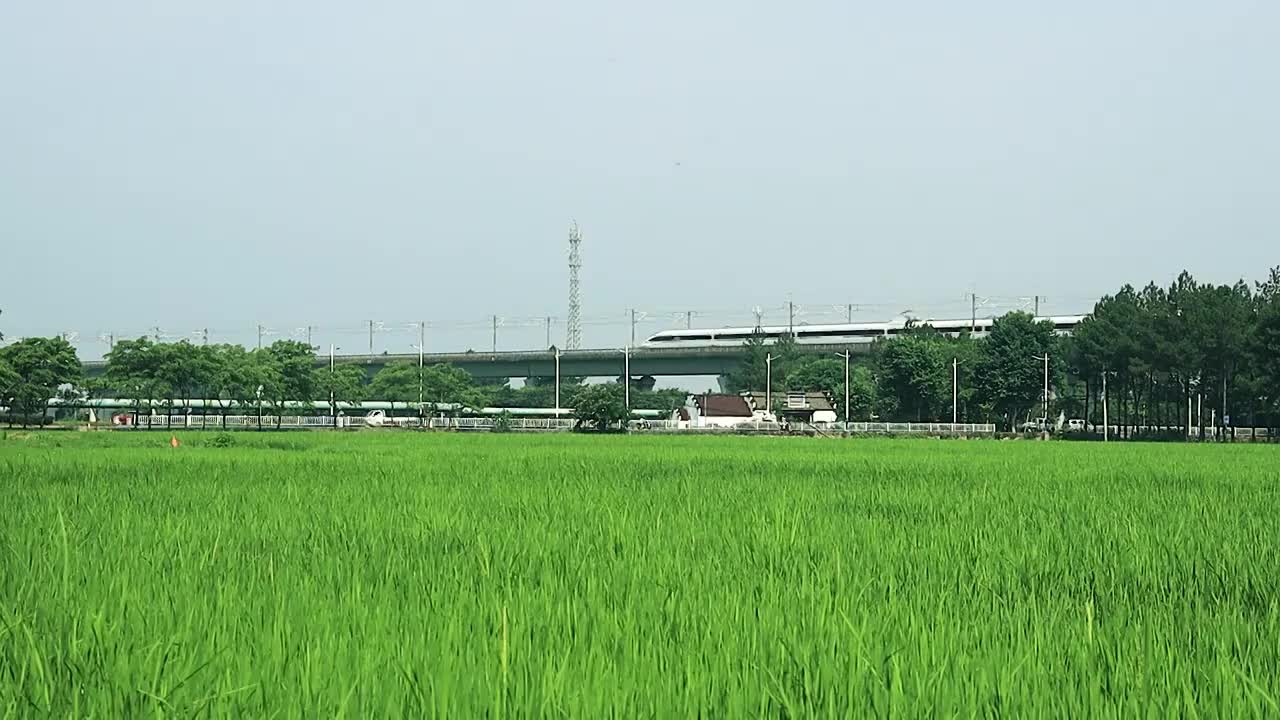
<point x="791" y="318"/>
<point x="495" y="333"/>
<point x="1200" y="415"/>
<point x="204" y="336"/>
<point x="1045" y="397"/>
<point x="260" y="329"/>
<point x="688" y="320"/>
<point x="1106" y="420"/>
<point x="626" y="383"/>
<point x="333" y="406"/>
<point x="1226" y="418"/>
<point x="849" y="314"/>
<point x="422" y="349"/>
<point x="1037" y="301"/>
<point x="955" y="391"/>
<point x="548" y="331"/>
<point x="973" y="313"/>
<point x="633" y="326"/>
<point x="846" y="354"/>
<point x="768" y="383"/>
<point x="371" y="340"/>
<point x="1046" y="388"/>
<point x="557" y="383"/>
<point x="309" y="329"/>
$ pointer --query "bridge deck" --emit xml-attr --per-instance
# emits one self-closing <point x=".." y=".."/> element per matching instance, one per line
<point x="600" y="362"/>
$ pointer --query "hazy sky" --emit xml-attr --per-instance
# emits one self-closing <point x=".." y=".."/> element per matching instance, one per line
<point x="224" y="164"/>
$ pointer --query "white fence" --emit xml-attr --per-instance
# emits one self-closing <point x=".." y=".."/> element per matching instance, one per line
<point x="231" y="422"/>
<point x="853" y="428"/>
<point x="241" y="422"/>
<point x="871" y="428"/>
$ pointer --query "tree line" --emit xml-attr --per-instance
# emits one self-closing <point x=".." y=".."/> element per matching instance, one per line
<point x="920" y="374"/>
<point x="1181" y="357"/>
<point x="1156" y="353"/>
<point x="272" y="379"/>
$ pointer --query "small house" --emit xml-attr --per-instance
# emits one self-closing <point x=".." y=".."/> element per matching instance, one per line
<point x="805" y="407"/>
<point x="716" y="410"/>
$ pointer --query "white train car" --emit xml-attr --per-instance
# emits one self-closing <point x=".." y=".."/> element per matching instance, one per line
<point x="841" y="334"/>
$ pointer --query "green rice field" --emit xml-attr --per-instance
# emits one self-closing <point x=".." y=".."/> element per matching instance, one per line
<point x="389" y="574"/>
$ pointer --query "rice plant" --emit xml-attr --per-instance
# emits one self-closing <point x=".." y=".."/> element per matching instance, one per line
<point x="408" y="575"/>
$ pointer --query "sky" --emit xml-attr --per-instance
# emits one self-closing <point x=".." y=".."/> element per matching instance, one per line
<point x="228" y="165"/>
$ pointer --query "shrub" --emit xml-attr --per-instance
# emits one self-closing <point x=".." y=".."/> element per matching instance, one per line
<point x="222" y="440"/>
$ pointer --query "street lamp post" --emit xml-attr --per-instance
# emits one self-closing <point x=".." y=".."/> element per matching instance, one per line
<point x="333" y="405"/>
<point x="626" y="372"/>
<point x="1106" y="420"/>
<point x="1045" y="398"/>
<point x="422" y="349"/>
<point x="557" y="353"/>
<point x="626" y="383"/>
<point x="955" y="391"/>
<point x="421" y="381"/>
<point x="768" y="383"/>
<point x="846" y="355"/>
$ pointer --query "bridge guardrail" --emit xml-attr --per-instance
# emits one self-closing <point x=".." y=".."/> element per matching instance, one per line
<point x="216" y="422"/>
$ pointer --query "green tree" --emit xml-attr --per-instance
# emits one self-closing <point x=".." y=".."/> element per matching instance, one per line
<point x="750" y="373"/>
<point x="786" y="357"/>
<point x="396" y="382"/>
<point x="185" y="370"/>
<point x="826" y="375"/>
<point x="914" y="371"/>
<point x="43" y="366"/>
<point x="1010" y="378"/>
<point x="1265" y="347"/>
<point x="345" y="384"/>
<point x="550" y="381"/>
<point x="441" y="385"/>
<point x="234" y="378"/>
<point x="9" y="381"/>
<point x="600" y="406"/>
<point x="1226" y="348"/>
<point x="666" y="400"/>
<point x="530" y="396"/>
<point x="133" y="373"/>
<point x="756" y="368"/>
<point x="296" y="363"/>
<point x="272" y="390"/>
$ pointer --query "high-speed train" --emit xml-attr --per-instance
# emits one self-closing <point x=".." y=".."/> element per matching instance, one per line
<point x="842" y="334"/>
